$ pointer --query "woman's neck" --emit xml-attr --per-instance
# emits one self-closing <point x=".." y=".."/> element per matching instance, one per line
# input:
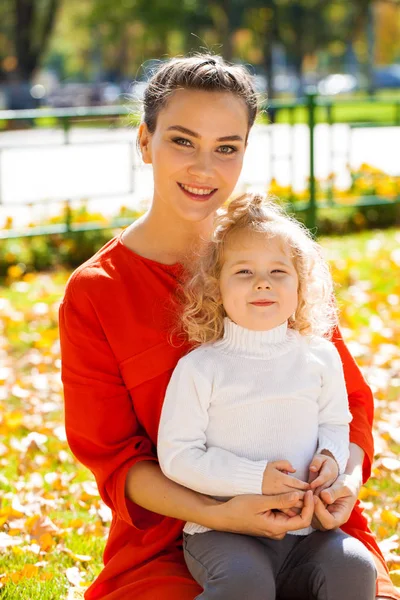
<point x="165" y="238"/>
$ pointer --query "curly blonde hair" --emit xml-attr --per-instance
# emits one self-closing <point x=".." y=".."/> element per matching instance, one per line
<point x="203" y="313"/>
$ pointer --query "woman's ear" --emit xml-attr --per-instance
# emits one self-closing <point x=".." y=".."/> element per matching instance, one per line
<point x="144" y="138"/>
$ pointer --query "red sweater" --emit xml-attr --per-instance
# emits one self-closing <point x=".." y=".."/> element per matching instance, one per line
<point x="115" y="322"/>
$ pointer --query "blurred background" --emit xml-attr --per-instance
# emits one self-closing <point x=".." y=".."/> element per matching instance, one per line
<point x="62" y="53"/>
<point x="72" y="74"/>
<point x="326" y="145"/>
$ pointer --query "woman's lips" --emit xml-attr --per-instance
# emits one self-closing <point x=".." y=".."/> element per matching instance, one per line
<point x="198" y="197"/>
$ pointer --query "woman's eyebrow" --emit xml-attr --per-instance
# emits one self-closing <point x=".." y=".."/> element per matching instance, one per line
<point x="226" y="138"/>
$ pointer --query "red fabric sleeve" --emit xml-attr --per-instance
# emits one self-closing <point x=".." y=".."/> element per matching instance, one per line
<point x="361" y="404"/>
<point x="101" y="426"/>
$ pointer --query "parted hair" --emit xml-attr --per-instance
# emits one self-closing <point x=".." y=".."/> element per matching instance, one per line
<point x="205" y="72"/>
<point x="203" y="312"/>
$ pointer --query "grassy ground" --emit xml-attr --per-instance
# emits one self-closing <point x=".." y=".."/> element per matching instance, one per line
<point x="52" y="523"/>
<point x="386" y="109"/>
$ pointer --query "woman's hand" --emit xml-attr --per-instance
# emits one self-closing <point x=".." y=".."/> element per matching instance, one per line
<point x="335" y="504"/>
<point x="276" y="479"/>
<point x="255" y="514"/>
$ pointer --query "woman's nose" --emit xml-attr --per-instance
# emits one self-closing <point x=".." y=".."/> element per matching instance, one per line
<point x="202" y="166"/>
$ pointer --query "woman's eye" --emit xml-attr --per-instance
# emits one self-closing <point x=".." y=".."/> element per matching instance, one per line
<point x="227" y="149"/>
<point x="182" y="142"/>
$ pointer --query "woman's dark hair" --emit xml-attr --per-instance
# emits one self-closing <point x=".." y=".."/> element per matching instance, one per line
<point x="199" y="72"/>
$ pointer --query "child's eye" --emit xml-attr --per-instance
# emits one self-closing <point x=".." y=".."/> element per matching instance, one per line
<point x="182" y="142"/>
<point x="280" y="271"/>
<point x="244" y="272"/>
<point x="227" y="149"/>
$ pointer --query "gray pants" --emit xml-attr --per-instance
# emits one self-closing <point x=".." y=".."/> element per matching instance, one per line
<point x="321" y="566"/>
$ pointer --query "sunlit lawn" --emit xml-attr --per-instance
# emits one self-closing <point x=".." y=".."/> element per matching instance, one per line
<point x="52" y="523"/>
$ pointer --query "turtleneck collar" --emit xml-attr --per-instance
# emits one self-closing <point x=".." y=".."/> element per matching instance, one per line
<point x="259" y="344"/>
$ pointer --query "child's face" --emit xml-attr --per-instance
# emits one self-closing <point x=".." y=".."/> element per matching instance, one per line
<point x="258" y="282"/>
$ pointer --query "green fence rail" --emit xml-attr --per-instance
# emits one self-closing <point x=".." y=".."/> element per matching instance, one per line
<point x="312" y="110"/>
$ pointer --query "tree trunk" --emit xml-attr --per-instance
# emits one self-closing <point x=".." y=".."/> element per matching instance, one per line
<point x="31" y="36"/>
<point x="269" y="39"/>
<point x="221" y="14"/>
<point x="299" y="53"/>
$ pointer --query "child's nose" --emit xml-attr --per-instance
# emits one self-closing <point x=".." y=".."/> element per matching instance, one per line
<point x="263" y="285"/>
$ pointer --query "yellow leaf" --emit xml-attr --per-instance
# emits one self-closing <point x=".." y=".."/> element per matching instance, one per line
<point x="395" y="576"/>
<point x="76" y="523"/>
<point x="15" y="272"/>
<point x="11" y="513"/>
<point x="31" y="522"/>
<point x="29" y="571"/>
<point x="46" y="541"/>
<point x="366" y="492"/>
<point x="13" y="420"/>
<point x="389" y="517"/>
<point x="382" y="531"/>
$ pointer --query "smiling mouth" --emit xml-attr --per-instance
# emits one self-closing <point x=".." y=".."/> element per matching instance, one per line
<point x="197" y="193"/>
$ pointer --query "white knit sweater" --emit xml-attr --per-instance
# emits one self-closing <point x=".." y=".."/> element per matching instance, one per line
<point x="252" y="397"/>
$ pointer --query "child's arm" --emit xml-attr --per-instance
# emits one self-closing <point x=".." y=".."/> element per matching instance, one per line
<point x="334" y="418"/>
<point x="184" y="455"/>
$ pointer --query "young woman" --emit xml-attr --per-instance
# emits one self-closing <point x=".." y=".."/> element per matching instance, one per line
<point x="115" y="323"/>
<point x="260" y="407"/>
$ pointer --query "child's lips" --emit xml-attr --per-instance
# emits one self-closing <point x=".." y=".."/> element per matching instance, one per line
<point x="262" y="302"/>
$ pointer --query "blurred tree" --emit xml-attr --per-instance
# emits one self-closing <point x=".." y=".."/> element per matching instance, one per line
<point x="387" y="47"/>
<point x="137" y="30"/>
<point x="26" y="25"/>
<point x="8" y="59"/>
<point x="97" y="40"/>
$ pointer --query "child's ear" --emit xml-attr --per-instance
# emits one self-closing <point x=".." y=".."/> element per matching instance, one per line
<point x="144" y="137"/>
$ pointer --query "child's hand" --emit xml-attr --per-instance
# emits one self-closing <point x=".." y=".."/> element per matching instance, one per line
<point x="277" y="480"/>
<point x="324" y="471"/>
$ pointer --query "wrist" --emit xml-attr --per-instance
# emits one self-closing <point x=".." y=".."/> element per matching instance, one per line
<point x="356" y="479"/>
<point x="352" y="482"/>
<point x="212" y="514"/>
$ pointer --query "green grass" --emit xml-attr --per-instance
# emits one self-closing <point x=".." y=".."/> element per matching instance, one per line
<point x="361" y="110"/>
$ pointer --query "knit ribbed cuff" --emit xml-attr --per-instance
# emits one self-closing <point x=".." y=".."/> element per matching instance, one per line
<point x="249" y="477"/>
<point x="340" y="453"/>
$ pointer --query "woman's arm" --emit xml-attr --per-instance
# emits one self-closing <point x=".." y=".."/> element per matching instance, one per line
<point x="148" y="487"/>
<point x="334" y="415"/>
<point x="102" y="429"/>
<point x="361" y="405"/>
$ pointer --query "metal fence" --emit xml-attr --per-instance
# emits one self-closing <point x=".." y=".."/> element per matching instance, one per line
<point x="315" y="110"/>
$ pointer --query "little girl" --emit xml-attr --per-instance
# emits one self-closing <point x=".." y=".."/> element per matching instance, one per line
<point x="261" y="399"/>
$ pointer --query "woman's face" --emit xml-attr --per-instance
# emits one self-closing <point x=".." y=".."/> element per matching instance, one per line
<point x="196" y="151"/>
